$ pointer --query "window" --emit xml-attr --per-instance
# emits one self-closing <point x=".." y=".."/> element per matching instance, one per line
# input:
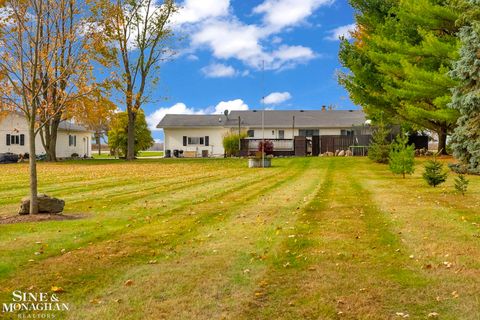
<point x="196" y="140"/>
<point x="281" y="134"/>
<point x="308" y="132"/>
<point x="72" y="141"/>
<point x="15" y="139"/>
<point x="251" y="133"/>
<point x="349" y="133"/>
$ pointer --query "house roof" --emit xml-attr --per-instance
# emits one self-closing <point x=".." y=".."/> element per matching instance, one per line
<point x="64" y="125"/>
<point x="69" y="126"/>
<point x="272" y="119"/>
<point x="192" y="120"/>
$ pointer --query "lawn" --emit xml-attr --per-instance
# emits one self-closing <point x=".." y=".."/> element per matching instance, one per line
<point x="141" y="154"/>
<point x="310" y="238"/>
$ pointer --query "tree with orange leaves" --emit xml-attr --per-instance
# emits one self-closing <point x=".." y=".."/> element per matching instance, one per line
<point x="43" y="65"/>
<point x="138" y="38"/>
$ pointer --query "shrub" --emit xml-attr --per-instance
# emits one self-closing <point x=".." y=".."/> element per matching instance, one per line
<point x="74" y="155"/>
<point x="461" y="184"/>
<point x="402" y="156"/>
<point x="434" y="174"/>
<point x="379" y="150"/>
<point x="231" y="143"/>
<point x="266" y="146"/>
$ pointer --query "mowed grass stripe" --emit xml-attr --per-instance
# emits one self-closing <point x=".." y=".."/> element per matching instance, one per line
<point x="214" y="251"/>
<point x="99" y="230"/>
<point x="140" y="243"/>
<point x="126" y="183"/>
<point x="326" y="268"/>
<point x="441" y="239"/>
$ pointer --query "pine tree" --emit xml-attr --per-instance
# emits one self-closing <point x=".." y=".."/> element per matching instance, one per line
<point x="466" y="96"/>
<point x="402" y="156"/>
<point x="399" y="61"/>
<point x="379" y="149"/>
<point x="434" y="173"/>
<point x="461" y="184"/>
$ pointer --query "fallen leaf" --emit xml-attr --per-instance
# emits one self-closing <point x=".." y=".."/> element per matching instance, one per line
<point x="128" y="283"/>
<point x="57" y="289"/>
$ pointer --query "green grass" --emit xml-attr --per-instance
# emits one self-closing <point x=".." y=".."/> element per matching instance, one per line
<point x="141" y="154"/>
<point x="310" y="238"/>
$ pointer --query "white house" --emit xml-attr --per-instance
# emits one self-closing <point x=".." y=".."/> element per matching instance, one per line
<point x="71" y="139"/>
<point x="202" y="135"/>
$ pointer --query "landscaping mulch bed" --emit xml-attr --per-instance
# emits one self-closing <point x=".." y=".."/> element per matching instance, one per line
<point x="37" y="218"/>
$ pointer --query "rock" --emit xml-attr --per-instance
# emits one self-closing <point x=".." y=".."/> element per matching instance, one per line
<point x="328" y="154"/>
<point x="349" y="153"/>
<point x="337" y="152"/>
<point x="46" y="205"/>
<point x="341" y="153"/>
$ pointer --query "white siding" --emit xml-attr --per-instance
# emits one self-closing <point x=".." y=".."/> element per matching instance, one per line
<point x="274" y="133"/>
<point x="174" y="140"/>
<point x="15" y="124"/>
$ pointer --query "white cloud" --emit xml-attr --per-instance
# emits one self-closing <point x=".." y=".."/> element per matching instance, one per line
<point x="192" y="57"/>
<point x="218" y="70"/>
<point x="277" y="97"/>
<point x="193" y="11"/>
<point x="237" y="105"/>
<point x="230" y="39"/>
<point x="179" y="108"/>
<point x="279" y="14"/>
<point x="343" y="31"/>
<point x="233" y="39"/>
<point x="254" y="45"/>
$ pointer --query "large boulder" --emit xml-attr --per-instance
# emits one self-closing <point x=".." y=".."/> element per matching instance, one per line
<point x="341" y="153"/>
<point x="46" y="205"/>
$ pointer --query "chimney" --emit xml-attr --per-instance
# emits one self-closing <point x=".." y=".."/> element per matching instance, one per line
<point x="324" y="108"/>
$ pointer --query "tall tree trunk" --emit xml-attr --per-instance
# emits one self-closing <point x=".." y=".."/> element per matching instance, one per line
<point x="49" y="136"/>
<point x="131" y="135"/>
<point x="98" y="142"/>
<point x="52" y="151"/>
<point x="33" y="169"/>
<point x="442" y="141"/>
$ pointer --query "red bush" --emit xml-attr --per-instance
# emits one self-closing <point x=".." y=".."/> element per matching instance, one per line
<point x="266" y="146"/>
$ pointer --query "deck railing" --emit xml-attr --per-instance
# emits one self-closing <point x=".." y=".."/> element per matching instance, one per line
<point x="278" y="144"/>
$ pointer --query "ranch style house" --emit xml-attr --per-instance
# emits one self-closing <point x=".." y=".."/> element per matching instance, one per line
<point x="72" y="138"/>
<point x="202" y="135"/>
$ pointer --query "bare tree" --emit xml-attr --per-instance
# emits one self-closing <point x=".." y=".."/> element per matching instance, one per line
<point x="33" y="80"/>
<point x="138" y="38"/>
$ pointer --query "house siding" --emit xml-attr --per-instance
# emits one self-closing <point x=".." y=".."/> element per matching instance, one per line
<point x="174" y="140"/>
<point x="15" y="124"/>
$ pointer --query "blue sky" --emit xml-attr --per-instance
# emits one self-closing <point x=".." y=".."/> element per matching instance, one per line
<point x="229" y="42"/>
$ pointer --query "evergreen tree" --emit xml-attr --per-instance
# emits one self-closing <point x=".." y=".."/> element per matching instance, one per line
<point x="434" y="173"/>
<point x="461" y="184"/>
<point x="466" y="96"/>
<point x="379" y="149"/>
<point x="399" y="62"/>
<point x="402" y="156"/>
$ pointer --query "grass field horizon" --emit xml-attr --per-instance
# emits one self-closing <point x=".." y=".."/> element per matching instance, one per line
<point x="310" y="238"/>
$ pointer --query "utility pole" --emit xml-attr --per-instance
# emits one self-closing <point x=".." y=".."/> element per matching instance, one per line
<point x="239" y="138"/>
<point x="263" y="114"/>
